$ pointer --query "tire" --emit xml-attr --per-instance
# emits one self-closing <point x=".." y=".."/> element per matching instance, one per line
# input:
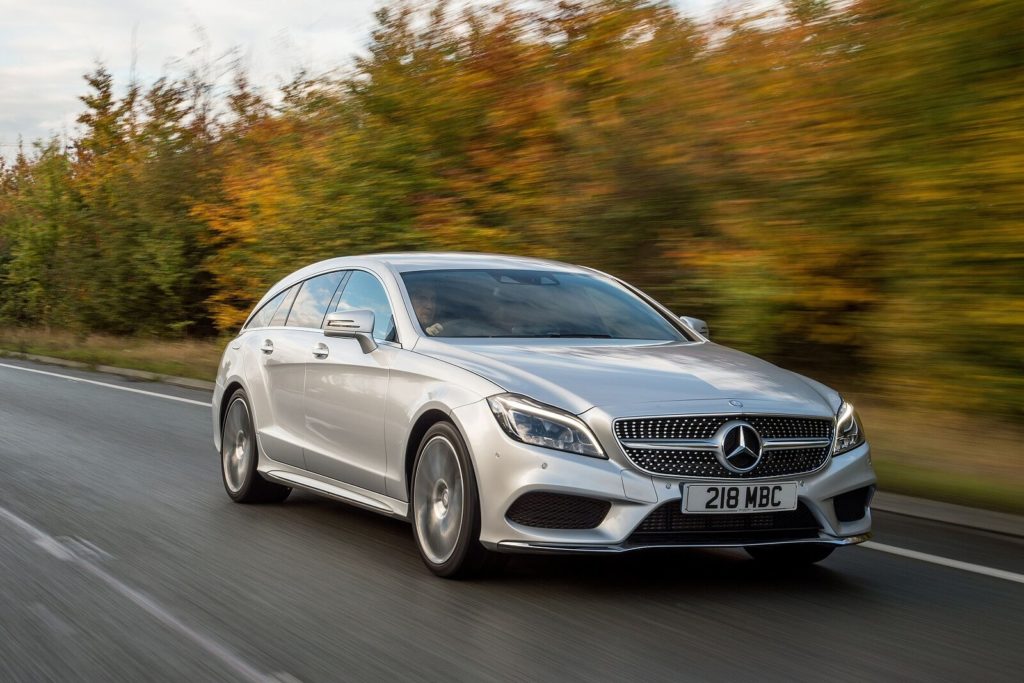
<point x="239" y="456"/>
<point x="795" y="555"/>
<point x="445" y="507"/>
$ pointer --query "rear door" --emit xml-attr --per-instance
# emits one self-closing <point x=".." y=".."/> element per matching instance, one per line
<point x="284" y="350"/>
<point x="346" y="391"/>
<point x="276" y="365"/>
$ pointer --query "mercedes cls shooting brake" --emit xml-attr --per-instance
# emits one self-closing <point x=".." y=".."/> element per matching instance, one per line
<point x="514" y="405"/>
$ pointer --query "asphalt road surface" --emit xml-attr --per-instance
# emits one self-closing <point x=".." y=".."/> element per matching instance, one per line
<point x="121" y="558"/>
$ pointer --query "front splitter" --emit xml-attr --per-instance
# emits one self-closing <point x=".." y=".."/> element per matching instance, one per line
<point x="527" y="547"/>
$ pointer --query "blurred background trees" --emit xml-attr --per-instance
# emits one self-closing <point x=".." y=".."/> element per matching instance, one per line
<point x="838" y="187"/>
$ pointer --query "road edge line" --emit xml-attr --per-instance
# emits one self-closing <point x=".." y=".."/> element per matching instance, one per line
<point x="133" y="390"/>
<point x="945" y="561"/>
<point x="173" y="380"/>
<point x="144" y="601"/>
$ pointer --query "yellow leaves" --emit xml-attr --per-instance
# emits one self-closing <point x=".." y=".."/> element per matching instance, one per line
<point x="443" y="222"/>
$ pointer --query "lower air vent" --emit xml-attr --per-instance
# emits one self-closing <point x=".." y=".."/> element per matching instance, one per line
<point x="668" y="524"/>
<point x="545" y="510"/>
<point x="852" y="505"/>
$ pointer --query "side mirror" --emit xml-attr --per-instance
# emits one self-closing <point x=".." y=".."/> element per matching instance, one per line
<point x="352" y="324"/>
<point x="697" y="324"/>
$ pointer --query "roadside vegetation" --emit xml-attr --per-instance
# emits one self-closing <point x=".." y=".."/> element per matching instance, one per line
<point x="944" y="455"/>
<point x="837" y="188"/>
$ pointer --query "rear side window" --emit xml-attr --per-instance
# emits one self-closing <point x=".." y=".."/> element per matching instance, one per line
<point x="266" y="314"/>
<point x="311" y="304"/>
<point x="364" y="291"/>
<point x="282" y="311"/>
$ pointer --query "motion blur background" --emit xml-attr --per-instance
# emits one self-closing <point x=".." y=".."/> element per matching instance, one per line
<point x="835" y="186"/>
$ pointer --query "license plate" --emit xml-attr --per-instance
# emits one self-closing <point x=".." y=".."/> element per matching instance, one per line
<point x="739" y="497"/>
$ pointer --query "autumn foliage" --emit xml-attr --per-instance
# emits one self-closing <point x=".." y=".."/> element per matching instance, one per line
<point x="839" y="187"/>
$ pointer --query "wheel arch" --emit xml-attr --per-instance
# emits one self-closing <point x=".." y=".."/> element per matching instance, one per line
<point x="423" y="423"/>
<point x="229" y="391"/>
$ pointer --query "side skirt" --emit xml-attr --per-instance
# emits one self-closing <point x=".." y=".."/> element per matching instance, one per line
<point x="295" y="477"/>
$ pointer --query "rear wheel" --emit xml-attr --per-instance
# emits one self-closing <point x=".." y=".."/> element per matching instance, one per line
<point x="239" y="457"/>
<point x="445" y="506"/>
<point x="798" y="554"/>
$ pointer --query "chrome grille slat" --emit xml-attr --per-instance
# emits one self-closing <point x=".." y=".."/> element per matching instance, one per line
<point x="792" y="444"/>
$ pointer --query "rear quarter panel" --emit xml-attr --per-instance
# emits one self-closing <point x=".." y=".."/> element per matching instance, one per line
<point x="229" y="371"/>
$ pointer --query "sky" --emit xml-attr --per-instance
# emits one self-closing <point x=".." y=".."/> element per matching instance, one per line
<point x="47" y="45"/>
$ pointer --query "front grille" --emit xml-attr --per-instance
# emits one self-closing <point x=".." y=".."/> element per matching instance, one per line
<point x="704" y="463"/>
<point x="545" y="510"/>
<point x="669" y="524"/>
<point x="705" y="426"/>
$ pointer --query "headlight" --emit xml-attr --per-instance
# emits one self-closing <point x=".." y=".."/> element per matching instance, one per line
<point x="849" y="433"/>
<point x="540" y="425"/>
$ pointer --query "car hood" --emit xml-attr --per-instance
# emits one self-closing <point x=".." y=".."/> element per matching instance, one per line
<point x="578" y="375"/>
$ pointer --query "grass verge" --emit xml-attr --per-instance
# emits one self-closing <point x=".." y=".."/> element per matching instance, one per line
<point x="972" y="491"/>
<point x="185" y="358"/>
<point x="955" y="457"/>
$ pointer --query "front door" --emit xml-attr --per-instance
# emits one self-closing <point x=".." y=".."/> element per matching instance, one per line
<point x="284" y="349"/>
<point x="346" y="391"/>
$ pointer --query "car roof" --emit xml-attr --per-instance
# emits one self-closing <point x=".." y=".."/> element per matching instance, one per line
<point x="403" y="262"/>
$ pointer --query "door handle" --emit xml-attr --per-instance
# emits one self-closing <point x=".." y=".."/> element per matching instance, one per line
<point x="321" y="350"/>
<point x="268" y="347"/>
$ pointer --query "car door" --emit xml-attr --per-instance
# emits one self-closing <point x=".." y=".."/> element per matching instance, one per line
<point x="276" y="383"/>
<point x="346" y="391"/>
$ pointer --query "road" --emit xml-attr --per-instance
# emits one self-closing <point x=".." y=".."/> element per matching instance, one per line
<point x="121" y="558"/>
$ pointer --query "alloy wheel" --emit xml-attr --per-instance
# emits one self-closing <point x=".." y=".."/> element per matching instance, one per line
<point x="439" y="499"/>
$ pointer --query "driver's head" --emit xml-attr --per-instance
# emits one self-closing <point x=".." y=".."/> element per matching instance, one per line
<point x="424" y="302"/>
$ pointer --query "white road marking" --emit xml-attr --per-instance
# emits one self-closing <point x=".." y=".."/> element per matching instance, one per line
<point x="105" y="384"/>
<point x="148" y="604"/>
<point x="945" y="561"/>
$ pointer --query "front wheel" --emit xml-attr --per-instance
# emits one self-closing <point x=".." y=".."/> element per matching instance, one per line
<point x="445" y="506"/>
<point x="795" y="555"/>
<point x="239" y="457"/>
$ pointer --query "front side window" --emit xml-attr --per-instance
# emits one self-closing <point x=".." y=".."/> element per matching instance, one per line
<point x="311" y="304"/>
<point x="365" y="292"/>
<point x="531" y="304"/>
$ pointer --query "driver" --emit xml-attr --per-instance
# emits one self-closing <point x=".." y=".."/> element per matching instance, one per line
<point x="424" y="302"/>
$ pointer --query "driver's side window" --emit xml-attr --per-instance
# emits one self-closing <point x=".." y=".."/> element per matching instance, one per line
<point x="364" y="291"/>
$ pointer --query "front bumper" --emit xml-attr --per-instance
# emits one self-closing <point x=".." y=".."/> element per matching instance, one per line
<point x="507" y="469"/>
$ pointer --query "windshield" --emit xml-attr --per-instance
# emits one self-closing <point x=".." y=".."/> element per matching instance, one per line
<point x="531" y="303"/>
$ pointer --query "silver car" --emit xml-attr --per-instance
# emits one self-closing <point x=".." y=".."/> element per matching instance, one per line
<point x="514" y="405"/>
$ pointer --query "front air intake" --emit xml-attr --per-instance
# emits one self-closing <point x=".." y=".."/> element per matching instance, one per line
<point x="668" y="525"/>
<point x="852" y="505"/>
<point x="545" y="510"/>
